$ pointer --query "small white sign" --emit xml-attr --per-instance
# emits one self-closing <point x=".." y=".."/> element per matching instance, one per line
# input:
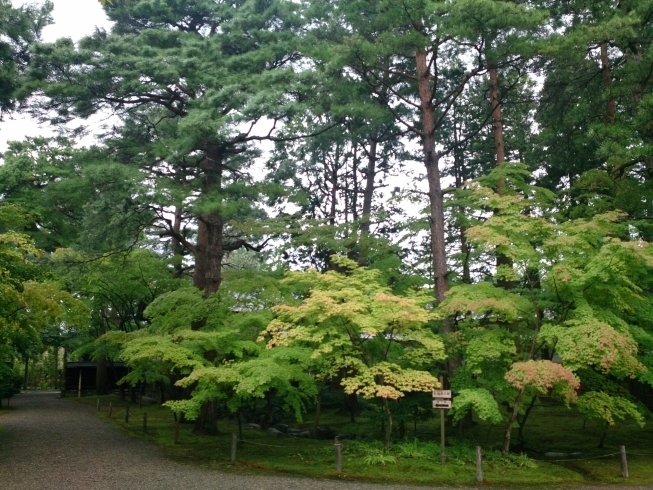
<point x="441" y="393"/>
<point x="441" y="403"/>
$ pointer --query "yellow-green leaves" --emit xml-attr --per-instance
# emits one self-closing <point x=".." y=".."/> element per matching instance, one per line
<point x="582" y="343"/>
<point x="388" y="380"/>
<point x="29" y="308"/>
<point x="572" y="288"/>
<point x="489" y="346"/>
<point x="483" y="299"/>
<point x="48" y="305"/>
<point x="609" y="409"/>
<point x="351" y="321"/>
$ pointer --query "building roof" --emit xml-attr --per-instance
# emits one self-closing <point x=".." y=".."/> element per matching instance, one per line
<point x="80" y="364"/>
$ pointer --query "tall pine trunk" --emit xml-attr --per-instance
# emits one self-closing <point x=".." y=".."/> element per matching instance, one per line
<point x="500" y="153"/>
<point x="368" y="193"/>
<point x="464" y="244"/>
<point x="177" y="247"/>
<point x="431" y="162"/>
<point x="209" y="251"/>
<point x="606" y="72"/>
<point x="497" y="121"/>
<point x="209" y="254"/>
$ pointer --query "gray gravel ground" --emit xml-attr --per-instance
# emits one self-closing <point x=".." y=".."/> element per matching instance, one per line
<point x="49" y="443"/>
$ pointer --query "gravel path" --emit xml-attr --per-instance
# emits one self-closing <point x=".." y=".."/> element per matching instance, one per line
<point x="49" y="443"/>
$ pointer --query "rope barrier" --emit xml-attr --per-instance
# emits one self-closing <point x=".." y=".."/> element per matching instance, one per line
<point x="260" y="444"/>
<point x="594" y="457"/>
<point x="118" y="409"/>
<point x="579" y="459"/>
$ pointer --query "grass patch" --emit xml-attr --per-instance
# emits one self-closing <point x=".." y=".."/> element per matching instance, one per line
<point x="413" y="460"/>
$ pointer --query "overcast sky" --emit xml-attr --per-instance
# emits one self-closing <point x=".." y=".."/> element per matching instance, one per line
<point x="72" y="18"/>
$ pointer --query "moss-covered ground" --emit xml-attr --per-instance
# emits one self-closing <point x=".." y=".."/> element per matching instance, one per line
<point x="551" y="428"/>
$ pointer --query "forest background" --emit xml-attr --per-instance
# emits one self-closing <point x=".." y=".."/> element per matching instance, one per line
<point x="293" y="199"/>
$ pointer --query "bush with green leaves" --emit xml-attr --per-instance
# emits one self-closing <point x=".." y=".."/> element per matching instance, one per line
<point x="574" y="293"/>
<point x="351" y="322"/>
<point x="10" y="380"/>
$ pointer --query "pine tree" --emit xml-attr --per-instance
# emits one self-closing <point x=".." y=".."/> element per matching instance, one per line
<point x="417" y="46"/>
<point x="19" y="27"/>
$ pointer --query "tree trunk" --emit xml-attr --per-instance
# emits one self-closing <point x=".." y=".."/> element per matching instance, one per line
<point x="267" y="418"/>
<point x="177" y="247"/>
<point x="207" y="275"/>
<point x="353" y="406"/>
<point x="26" y="372"/>
<point x="465" y="250"/>
<point x="388" y="425"/>
<point x="64" y="372"/>
<point x="511" y="421"/>
<point x="603" y="435"/>
<point x="55" y="371"/>
<point x="368" y="194"/>
<point x="207" y="421"/>
<point x="101" y="378"/>
<point x="240" y="425"/>
<point x="497" y="122"/>
<point x="458" y="171"/>
<point x="333" y="182"/>
<point x="162" y="392"/>
<point x="209" y="251"/>
<point x="318" y="411"/>
<point x="522" y="422"/>
<point x="436" y="208"/>
<point x="416" y="414"/>
<point x="500" y="153"/>
<point x="431" y="162"/>
<point x="606" y="72"/>
<point x="354" y="183"/>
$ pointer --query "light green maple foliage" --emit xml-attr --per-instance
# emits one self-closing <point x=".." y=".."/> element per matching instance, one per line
<point x="352" y="322"/>
<point x="576" y="295"/>
<point x="207" y="348"/>
<point x="31" y="308"/>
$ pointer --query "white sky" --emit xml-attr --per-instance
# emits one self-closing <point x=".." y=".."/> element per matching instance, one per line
<point x="74" y="19"/>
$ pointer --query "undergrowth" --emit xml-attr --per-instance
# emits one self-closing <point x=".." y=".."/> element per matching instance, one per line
<point x="372" y="453"/>
<point x="412" y="460"/>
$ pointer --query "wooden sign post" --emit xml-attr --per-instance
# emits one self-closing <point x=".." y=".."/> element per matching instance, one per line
<point x="442" y="400"/>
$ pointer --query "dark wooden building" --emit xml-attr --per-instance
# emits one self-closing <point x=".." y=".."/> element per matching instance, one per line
<point x="643" y="392"/>
<point x="88" y="372"/>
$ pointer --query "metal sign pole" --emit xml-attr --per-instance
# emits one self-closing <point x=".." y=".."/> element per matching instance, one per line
<point x="442" y="400"/>
<point x="442" y="455"/>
